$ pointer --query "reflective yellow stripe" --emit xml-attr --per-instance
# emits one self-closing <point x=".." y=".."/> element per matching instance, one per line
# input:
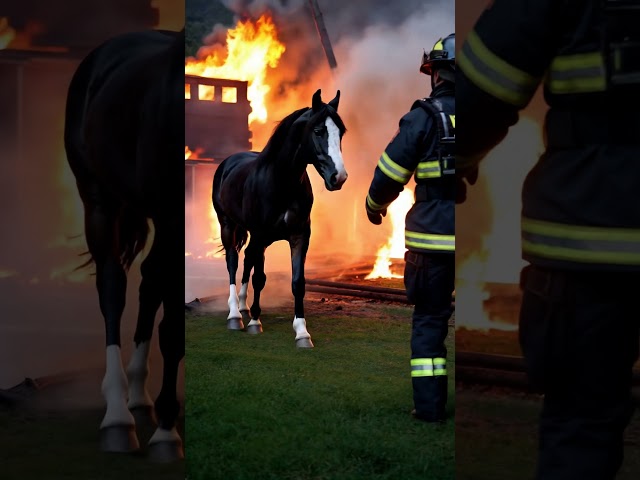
<point x="438" y="45"/>
<point x="422" y="367"/>
<point x="375" y="206"/>
<point x="453" y="120"/>
<point x="430" y="241"/>
<point x="428" y="367"/>
<point x="579" y="73"/>
<point x="439" y="366"/>
<point x="581" y="244"/>
<point x="494" y="75"/>
<point x="392" y="170"/>
<point x="429" y="169"/>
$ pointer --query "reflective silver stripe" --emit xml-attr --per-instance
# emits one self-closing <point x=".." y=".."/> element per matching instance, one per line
<point x="430" y="241"/>
<point x="581" y="244"/>
<point x="392" y="170"/>
<point x="578" y="73"/>
<point x="494" y="75"/>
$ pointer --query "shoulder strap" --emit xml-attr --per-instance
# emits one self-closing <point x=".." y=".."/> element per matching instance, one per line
<point x="446" y="125"/>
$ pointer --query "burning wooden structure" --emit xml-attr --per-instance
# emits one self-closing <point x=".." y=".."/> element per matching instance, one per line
<point x="216" y="126"/>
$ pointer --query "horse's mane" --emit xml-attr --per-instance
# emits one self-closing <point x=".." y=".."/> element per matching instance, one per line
<point x="281" y="132"/>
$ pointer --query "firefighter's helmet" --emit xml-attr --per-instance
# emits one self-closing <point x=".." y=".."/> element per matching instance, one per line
<point x="442" y="54"/>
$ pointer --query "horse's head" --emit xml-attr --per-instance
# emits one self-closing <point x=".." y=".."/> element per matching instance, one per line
<point x="323" y="140"/>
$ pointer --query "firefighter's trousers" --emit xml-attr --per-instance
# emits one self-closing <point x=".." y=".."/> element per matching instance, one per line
<point x="429" y="280"/>
<point x="579" y="335"/>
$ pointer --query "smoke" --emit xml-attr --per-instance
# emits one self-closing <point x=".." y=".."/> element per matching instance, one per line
<point x="378" y="46"/>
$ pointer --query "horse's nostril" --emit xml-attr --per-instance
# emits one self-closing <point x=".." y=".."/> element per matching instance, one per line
<point x="333" y="180"/>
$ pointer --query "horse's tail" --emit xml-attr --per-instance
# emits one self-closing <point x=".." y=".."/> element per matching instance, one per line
<point x="133" y="230"/>
<point x="241" y="238"/>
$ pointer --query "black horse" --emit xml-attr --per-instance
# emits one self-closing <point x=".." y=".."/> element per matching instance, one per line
<point x="124" y="136"/>
<point x="268" y="194"/>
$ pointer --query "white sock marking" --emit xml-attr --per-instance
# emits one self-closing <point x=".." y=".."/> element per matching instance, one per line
<point x="137" y="373"/>
<point x="300" y="327"/>
<point x="114" y="390"/>
<point x="162" y="435"/>
<point x="234" y="302"/>
<point x="243" y="297"/>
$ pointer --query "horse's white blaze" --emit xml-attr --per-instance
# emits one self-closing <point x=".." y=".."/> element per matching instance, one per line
<point x="114" y="390"/>
<point x="234" y="302"/>
<point x="334" y="150"/>
<point x="243" y="297"/>
<point x="300" y="327"/>
<point x="164" y="435"/>
<point x="137" y="373"/>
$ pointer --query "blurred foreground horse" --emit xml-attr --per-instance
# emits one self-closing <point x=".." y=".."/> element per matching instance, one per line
<point x="124" y="136"/>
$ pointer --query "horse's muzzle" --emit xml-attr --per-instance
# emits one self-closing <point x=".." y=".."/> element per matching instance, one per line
<point x="336" y="181"/>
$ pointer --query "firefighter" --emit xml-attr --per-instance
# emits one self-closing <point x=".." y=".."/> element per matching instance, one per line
<point x="423" y="147"/>
<point x="579" y="320"/>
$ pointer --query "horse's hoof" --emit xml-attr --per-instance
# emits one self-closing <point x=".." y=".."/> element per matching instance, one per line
<point x="119" y="439"/>
<point x="235" y="324"/>
<point x="254" y="329"/>
<point x="166" y="452"/>
<point x="304" y="343"/>
<point x="144" y="415"/>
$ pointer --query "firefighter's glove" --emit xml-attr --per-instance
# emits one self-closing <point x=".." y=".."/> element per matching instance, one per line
<point x="375" y="217"/>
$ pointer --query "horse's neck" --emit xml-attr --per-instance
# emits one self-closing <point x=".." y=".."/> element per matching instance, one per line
<point x="287" y="165"/>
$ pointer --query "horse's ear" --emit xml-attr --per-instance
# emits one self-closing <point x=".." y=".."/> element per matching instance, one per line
<point x="316" y="103"/>
<point x="335" y="101"/>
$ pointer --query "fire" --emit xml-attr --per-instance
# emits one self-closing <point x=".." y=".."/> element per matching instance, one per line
<point x="394" y="248"/>
<point x="251" y="48"/>
<point x="214" y="237"/>
<point x="7" y="34"/>
<point x="499" y="257"/>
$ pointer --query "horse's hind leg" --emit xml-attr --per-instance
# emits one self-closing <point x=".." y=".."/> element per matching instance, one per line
<point x="118" y="425"/>
<point x="254" y="257"/>
<point x="166" y="444"/>
<point x="228" y="235"/>
<point x="299" y="246"/>
<point x="150" y="298"/>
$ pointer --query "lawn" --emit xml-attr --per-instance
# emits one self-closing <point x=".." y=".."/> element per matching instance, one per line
<point x="258" y="408"/>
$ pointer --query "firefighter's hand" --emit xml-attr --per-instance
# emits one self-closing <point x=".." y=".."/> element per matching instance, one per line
<point x="375" y="217"/>
<point x="471" y="177"/>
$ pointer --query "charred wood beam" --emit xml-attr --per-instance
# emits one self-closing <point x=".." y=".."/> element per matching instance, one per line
<point x="324" y="35"/>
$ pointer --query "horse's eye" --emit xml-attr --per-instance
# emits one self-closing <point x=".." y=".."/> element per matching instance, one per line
<point x="318" y="130"/>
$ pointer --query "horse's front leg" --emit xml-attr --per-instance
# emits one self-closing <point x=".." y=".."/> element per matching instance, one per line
<point x="299" y="245"/>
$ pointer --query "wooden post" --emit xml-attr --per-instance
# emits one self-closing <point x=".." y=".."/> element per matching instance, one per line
<point x="322" y="31"/>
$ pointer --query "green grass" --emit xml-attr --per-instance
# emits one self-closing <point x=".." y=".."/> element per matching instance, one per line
<point x="38" y="445"/>
<point x="258" y="408"/>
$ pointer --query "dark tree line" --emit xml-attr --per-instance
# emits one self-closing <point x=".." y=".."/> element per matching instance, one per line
<point x="201" y="16"/>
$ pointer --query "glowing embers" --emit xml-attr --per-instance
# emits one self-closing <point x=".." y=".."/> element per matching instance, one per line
<point x="251" y="48"/>
<point x="394" y="248"/>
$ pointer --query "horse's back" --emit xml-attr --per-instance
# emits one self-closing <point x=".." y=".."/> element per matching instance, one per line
<point x="124" y="99"/>
<point x="229" y="180"/>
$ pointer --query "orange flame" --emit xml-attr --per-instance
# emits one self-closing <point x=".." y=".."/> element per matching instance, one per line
<point x="250" y="49"/>
<point x="394" y="248"/>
